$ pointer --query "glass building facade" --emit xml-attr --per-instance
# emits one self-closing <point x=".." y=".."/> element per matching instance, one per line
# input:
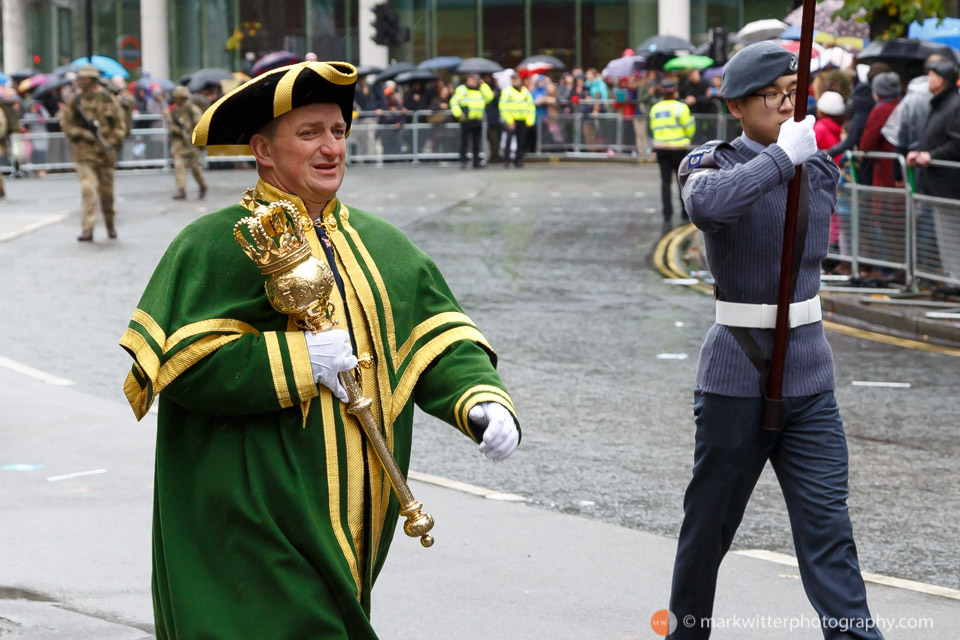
<point x="218" y="33"/>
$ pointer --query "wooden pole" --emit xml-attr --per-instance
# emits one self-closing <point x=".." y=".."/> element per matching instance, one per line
<point x="774" y="401"/>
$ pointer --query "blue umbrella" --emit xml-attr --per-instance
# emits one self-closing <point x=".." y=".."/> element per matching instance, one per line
<point x="947" y="33"/>
<point x="108" y="66"/>
<point x="443" y="63"/>
<point x="3" y="79"/>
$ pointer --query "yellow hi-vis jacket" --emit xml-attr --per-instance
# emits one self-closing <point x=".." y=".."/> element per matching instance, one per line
<point x="471" y="102"/>
<point x="516" y="105"/>
<point x="672" y="125"/>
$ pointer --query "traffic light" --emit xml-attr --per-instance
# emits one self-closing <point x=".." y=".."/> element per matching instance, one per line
<point x="387" y="26"/>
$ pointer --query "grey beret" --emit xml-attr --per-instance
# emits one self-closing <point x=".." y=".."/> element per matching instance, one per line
<point x="886" y="85"/>
<point x="756" y="66"/>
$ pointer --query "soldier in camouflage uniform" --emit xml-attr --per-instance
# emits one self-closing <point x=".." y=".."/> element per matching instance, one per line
<point x="93" y="122"/>
<point x="182" y="116"/>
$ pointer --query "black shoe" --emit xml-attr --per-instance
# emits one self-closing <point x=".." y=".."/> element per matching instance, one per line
<point x="518" y="165"/>
<point x="463" y="165"/>
<point x="180" y="195"/>
<point x="203" y="192"/>
<point x="111" y="231"/>
<point x="86" y="236"/>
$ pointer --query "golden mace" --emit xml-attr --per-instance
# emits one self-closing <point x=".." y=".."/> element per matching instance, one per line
<point x="298" y="284"/>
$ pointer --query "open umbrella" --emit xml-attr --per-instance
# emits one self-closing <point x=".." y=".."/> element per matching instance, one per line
<point x="849" y="43"/>
<point x="823" y="20"/>
<point x="663" y="43"/>
<point x="541" y="62"/>
<point x="147" y="80"/>
<point x="392" y="71"/>
<point x="904" y="50"/>
<point x="415" y="75"/>
<point x="22" y="74"/>
<point x="108" y="66"/>
<point x="206" y="77"/>
<point x="688" y="62"/>
<point x="52" y="83"/>
<point x="368" y="70"/>
<point x="31" y="83"/>
<point x="622" y="67"/>
<point x="3" y="78"/>
<point x="758" y="30"/>
<point x="479" y="65"/>
<point x="273" y="60"/>
<point x="442" y="63"/>
<point x="946" y="33"/>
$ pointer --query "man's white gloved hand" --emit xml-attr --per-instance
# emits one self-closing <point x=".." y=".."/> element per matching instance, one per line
<point x="798" y="140"/>
<point x="500" y="435"/>
<point x="330" y="353"/>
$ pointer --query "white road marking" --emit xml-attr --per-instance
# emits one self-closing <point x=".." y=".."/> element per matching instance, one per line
<point x="877" y="383"/>
<point x="876" y="578"/>
<point x="36" y="374"/>
<point x="30" y="228"/>
<point x="68" y="476"/>
<point x="463" y="487"/>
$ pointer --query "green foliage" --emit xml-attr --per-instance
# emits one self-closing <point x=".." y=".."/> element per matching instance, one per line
<point x="891" y="18"/>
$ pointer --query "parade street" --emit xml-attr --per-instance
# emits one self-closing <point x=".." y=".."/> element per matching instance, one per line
<point x="554" y="264"/>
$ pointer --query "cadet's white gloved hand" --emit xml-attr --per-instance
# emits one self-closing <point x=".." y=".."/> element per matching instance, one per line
<point x="798" y="139"/>
<point x="330" y="353"/>
<point x="500" y="437"/>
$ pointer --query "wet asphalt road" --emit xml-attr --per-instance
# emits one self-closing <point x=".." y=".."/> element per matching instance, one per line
<point x="554" y="264"/>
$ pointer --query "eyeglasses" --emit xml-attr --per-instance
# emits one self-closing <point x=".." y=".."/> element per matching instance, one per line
<point x="770" y="98"/>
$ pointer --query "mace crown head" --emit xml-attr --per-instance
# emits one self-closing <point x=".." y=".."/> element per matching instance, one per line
<point x="274" y="237"/>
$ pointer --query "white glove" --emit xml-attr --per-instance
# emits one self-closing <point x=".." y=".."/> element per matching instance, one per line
<point x="798" y="140"/>
<point x="500" y="436"/>
<point x="331" y="353"/>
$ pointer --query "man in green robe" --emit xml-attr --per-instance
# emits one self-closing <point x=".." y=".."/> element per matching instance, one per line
<point x="272" y="515"/>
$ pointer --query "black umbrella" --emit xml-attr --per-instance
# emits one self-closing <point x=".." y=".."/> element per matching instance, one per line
<point x="273" y="60"/>
<point x="478" y="65"/>
<point x="393" y="71"/>
<point x="20" y="75"/>
<point x="51" y="84"/>
<point x="368" y="70"/>
<point x="542" y="60"/>
<point x="146" y="80"/>
<point x="416" y="75"/>
<point x="904" y="50"/>
<point x="662" y="43"/>
<point x="442" y="63"/>
<point x="205" y="77"/>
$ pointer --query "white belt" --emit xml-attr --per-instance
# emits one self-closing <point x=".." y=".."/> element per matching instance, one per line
<point x="764" y="316"/>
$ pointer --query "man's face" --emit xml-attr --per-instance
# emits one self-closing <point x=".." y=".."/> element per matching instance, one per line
<point x="694" y="76"/>
<point x="516" y="81"/>
<point x="306" y="154"/>
<point x="761" y="123"/>
<point x="935" y="82"/>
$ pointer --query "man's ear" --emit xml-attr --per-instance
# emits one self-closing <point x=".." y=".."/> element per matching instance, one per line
<point x="260" y="145"/>
<point x="735" y="107"/>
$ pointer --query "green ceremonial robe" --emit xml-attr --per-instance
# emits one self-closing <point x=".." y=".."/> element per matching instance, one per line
<point x="272" y="516"/>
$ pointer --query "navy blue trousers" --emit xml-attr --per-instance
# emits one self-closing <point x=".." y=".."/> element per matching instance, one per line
<point x="809" y="456"/>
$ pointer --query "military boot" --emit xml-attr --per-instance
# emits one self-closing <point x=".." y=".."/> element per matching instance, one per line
<point x="86" y="236"/>
<point x="203" y="192"/>
<point x="111" y="230"/>
<point x="180" y="195"/>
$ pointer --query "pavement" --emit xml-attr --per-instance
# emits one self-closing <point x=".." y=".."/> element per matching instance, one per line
<point x="883" y="314"/>
<point x="75" y="551"/>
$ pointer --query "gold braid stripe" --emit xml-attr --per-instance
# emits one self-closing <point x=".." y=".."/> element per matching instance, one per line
<point x="190" y="356"/>
<point x="422" y="359"/>
<point x="477" y="399"/>
<point x="426" y="327"/>
<point x="276" y="368"/>
<point x="302" y="370"/>
<point x="144" y="320"/>
<point x="462" y="407"/>
<point x="333" y="484"/>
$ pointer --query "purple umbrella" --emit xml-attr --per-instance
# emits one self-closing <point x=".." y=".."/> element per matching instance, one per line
<point x="711" y="73"/>
<point x="624" y="66"/>
<point x="274" y="60"/>
<point x="823" y="20"/>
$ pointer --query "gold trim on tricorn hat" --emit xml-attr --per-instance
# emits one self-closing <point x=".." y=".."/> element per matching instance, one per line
<point x="237" y="116"/>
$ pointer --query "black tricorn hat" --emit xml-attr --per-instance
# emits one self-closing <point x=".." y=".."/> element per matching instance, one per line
<point x="237" y="116"/>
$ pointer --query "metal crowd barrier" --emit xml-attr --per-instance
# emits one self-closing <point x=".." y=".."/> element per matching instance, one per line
<point x="896" y="229"/>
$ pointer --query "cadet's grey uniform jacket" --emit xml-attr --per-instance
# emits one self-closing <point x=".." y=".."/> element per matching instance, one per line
<point x="740" y="209"/>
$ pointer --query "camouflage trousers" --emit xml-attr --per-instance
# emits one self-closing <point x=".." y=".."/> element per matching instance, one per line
<point x="180" y="162"/>
<point x="96" y="188"/>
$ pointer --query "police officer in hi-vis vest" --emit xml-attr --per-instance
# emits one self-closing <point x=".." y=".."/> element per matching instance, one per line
<point x="518" y="114"/>
<point x="672" y="127"/>
<point x="468" y="105"/>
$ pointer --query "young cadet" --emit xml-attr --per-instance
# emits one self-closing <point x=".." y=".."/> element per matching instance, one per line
<point x="272" y="517"/>
<point x="736" y="194"/>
